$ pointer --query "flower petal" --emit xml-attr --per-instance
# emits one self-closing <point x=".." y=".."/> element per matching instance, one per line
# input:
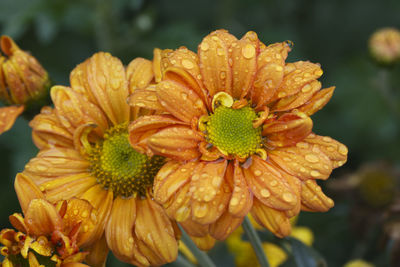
<point x="214" y="62"/>
<point x="139" y="74"/>
<point x="47" y="130"/>
<point x="204" y="243"/>
<point x="145" y="98"/>
<point x="119" y="228"/>
<point x="242" y="198"/>
<point x="195" y="229"/>
<point x="297" y="75"/>
<point x="270" y="70"/>
<point x="178" y="206"/>
<point x="74" y="109"/>
<point x="304" y="161"/>
<point x="98" y="253"/>
<point x="180" y="101"/>
<point x="288" y="129"/>
<point x="274" y="220"/>
<point x="102" y="78"/>
<point x="269" y="185"/>
<point x="224" y="226"/>
<point x="336" y="151"/>
<point x="8" y="115"/>
<point x="170" y="178"/>
<point x="177" y="142"/>
<point x="318" y="101"/>
<point x="155" y="229"/>
<point x="26" y="191"/>
<point x="312" y="197"/>
<point x="42" y="218"/>
<point x="244" y="64"/>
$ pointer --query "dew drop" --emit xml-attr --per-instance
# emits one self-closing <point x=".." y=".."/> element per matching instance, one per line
<point x="311" y="158"/>
<point x="265" y="193"/>
<point x="187" y="64"/>
<point x="204" y="46"/>
<point x="248" y="51"/>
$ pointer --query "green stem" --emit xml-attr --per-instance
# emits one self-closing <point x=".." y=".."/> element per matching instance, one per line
<point x="181" y="262"/>
<point x="255" y="242"/>
<point x="202" y="258"/>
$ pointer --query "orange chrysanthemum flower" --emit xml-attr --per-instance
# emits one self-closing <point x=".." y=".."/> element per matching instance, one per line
<point x="85" y="153"/>
<point x="48" y="235"/>
<point x="236" y="125"/>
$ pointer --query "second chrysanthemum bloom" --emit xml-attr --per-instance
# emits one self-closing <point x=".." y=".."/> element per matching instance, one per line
<point x="235" y="120"/>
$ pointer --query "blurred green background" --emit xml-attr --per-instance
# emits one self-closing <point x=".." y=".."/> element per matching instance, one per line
<point x="61" y="34"/>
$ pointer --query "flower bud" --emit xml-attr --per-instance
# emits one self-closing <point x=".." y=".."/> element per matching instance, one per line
<point x="22" y="79"/>
<point x="384" y="46"/>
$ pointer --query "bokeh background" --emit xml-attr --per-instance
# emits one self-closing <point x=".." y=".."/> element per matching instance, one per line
<point x="363" y="113"/>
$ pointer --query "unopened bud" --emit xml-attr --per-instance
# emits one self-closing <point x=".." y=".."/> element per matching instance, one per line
<point x="384" y="46"/>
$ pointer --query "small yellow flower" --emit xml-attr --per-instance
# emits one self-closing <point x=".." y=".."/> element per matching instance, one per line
<point x="384" y="45"/>
<point x="23" y="82"/>
<point x="48" y="235"/>
<point x="235" y="122"/>
<point x="85" y="153"/>
<point x="358" y="263"/>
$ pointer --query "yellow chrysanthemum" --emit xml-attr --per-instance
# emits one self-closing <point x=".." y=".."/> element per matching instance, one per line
<point x="384" y="45"/>
<point x="85" y="153"/>
<point x="235" y="122"/>
<point x="24" y="83"/>
<point x="48" y="235"/>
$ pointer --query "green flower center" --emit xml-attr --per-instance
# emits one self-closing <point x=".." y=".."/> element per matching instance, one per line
<point x="232" y="132"/>
<point x="120" y="168"/>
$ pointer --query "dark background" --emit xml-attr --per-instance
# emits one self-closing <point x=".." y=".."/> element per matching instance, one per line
<point x="61" y="34"/>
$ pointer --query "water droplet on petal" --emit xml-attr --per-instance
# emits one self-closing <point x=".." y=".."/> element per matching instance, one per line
<point x="248" y="51"/>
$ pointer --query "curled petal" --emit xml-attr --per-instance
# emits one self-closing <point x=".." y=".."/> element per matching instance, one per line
<point x="288" y="129"/>
<point x="8" y="115"/>
<point x="170" y="178"/>
<point x="214" y="62"/>
<point x="312" y="197"/>
<point x="224" y="226"/>
<point x="119" y="229"/>
<point x="318" y="101"/>
<point x="269" y="185"/>
<point x="244" y="64"/>
<point x="145" y="98"/>
<point x="102" y="78"/>
<point x="139" y="74"/>
<point x="18" y="222"/>
<point x="26" y="191"/>
<point x="178" y="142"/>
<point x="242" y="198"/>
<point x="336" y="151"/>
<point x="154" y="229"/>
<point x="297" y="75"/>
<point x="296" y="100"/>
<point x="172" y="94"/>
<point x="42" y="218"/>
<point x="274" y="220"/>
<point x="304" y="161"/>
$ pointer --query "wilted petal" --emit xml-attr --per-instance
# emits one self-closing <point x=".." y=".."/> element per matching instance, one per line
<point x="180" y="101"/>
<point x="318" y="101"/>
<point x="336" y="151"/>
<point x="139" y="74"/>
<point x="313" y="198"/>
<point x="154" y="228"/>
<point x="26" y="191"/>
<point x="304" y="161"/>
<point x="288" y="129"/>
<point x="8" y="115"/>
<point x="177" y="142"/>
<point x="269" y="185"/>
<point x="42" y="218"/>
<point x="274" y="220"/>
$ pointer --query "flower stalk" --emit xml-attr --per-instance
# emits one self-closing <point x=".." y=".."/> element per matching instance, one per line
<point x="202" y="258"/>
<point x="255" y="242"/>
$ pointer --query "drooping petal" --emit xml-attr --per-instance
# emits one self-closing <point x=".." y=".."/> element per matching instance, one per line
<point x="8" y="115"/>
<point x="74" y="109"/>
<point x="154" y="228"/>
<point x="225" y="226"/>
<point x="178" y="206"/>
<point x="177" y="142"/>
<point x="269" y="185"/>
<point x="102" y="78"/>
<point x="296" y="76"/>
<point x="288" y="129"/>
<point x="214" y="62"/>
<point x="139" y="74"/>
<point x="242" y="198"/>
<point x="205" y="242"/>
<point x="119" y="229"/>
<point x="295" y="184"/>
<point x="274" y="220"/>
<point x="244" y="64"/>
<point x="98" y="253"/>
<point x="26" y="191"/>
<point x="42" y="218"/>
<point x="195" y="229"/>
<point x="336" y="151"/>
<point x="47" y="130"/>
<point x="312" y="197"/>
<point x="304" y="161"/>
<point x="180" y="101"/>
<point x="318" y="101"/>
